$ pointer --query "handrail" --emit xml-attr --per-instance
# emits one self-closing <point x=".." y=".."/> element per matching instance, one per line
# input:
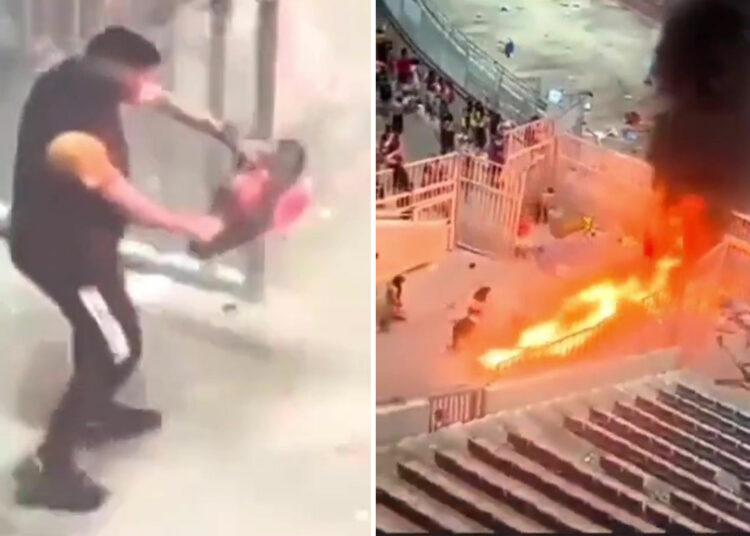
<point x="506" y="75"/>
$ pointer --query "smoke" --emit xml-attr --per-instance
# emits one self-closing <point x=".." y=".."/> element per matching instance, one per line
<point x="701" y="141"/>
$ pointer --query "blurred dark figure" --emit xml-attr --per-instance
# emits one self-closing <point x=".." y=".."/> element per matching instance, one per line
<point x="466" y="120"/>
<point x="447" y="97"/>
<point x="532" y="136"/>
<point x="447" y="135"/>
<point x="433" y="86"/>
<point x="494" y="120"/>
<point x="509" y="49"/>
<point x="479" y="127"/>
<point x="545" y="204"/>
<point x="496" y="149"/>
<point x="392" y="308"/>
<point x="463" y="329"/>
<point x="397" y="115"/>
<point x="389" y="146"/>
<point x="395" y="297"/>
<point x="383" y="47"/>
<point x="401" y="182"/>
<point x="383" y="83"/>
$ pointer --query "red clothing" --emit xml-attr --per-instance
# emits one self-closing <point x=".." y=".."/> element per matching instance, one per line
<point x="524" y="228"/>
<point x="403" y="66"/>
<point x="404" y="71"/>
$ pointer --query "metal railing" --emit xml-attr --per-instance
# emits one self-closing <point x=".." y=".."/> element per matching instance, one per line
<point x="458" y="58"/>
<point x="575" y="344"/>
<point x="453" y="408"/>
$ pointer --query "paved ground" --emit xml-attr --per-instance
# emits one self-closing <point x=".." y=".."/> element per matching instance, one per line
<point x="595" y="45"/>
<point x="267" y="419"/>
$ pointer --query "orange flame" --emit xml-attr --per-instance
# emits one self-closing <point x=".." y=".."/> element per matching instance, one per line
<point x="680" y="233"/>
<point x="583" y="311"/>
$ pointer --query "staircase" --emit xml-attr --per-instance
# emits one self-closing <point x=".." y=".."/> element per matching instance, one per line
<point x="663" y="454"/>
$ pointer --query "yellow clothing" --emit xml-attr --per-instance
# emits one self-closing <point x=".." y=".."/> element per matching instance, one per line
<point x="84" y="156"/>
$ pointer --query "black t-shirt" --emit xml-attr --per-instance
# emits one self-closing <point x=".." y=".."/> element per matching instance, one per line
<point x="383" y="47"/>
<point x="447" y="135"/>
<point x="51" y="209"/>
<point x="382" y="78"/>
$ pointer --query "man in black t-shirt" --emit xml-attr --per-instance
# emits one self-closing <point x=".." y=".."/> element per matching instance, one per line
<point x="447" y="134"/>
<point x="71" y="202"/>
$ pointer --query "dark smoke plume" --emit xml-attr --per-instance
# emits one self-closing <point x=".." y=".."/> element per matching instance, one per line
<point x="701" y="141"/>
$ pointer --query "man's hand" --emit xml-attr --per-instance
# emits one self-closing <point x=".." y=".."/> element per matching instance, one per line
<point x="201" y="227"/>
<point x="230" y="136"/>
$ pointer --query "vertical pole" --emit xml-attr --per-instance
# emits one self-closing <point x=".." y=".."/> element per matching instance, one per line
<point x="265" y="79"/>
<point x="217" y="62"/>
<point x="32" y="23"/>
<point x="267" y="40"/>
<point x="169" y="73"/>
<point x="452" y="239"/>
<point x="91" y="18"/>
<point x="63" y="23"/>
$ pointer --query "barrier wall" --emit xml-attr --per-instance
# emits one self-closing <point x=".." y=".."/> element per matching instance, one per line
<point x="398" y="421"/>
<point x="404" y="245"/>
<point x="514" y="394"/>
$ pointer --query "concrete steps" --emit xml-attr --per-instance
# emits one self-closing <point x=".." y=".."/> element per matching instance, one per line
<point x="666" y="455"/>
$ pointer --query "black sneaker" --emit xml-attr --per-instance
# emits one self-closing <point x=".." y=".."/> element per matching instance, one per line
<point x="121" y="423"/>
<point x="69" y="490"/>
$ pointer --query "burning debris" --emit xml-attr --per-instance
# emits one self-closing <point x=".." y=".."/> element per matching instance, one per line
<point x="582" y="313"/>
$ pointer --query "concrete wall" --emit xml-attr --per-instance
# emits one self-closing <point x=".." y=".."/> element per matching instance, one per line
<point x="405" y="245"/>
<point x="507" y="395"/>
<point x="394" y="422"/>
<point x="397" y="421"/>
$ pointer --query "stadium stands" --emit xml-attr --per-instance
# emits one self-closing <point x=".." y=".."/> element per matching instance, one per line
<point x="667" y="456"/>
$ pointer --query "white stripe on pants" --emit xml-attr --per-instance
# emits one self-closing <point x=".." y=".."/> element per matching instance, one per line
<point x="110" y="327"/>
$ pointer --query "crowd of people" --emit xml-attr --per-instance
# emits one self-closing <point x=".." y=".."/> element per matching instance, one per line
<point x="404" y="85"/>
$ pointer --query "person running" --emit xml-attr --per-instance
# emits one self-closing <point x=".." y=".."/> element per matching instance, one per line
<point x="464" y="327"/>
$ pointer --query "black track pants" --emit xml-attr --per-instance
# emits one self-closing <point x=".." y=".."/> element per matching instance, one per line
<point x="106" y="345"/>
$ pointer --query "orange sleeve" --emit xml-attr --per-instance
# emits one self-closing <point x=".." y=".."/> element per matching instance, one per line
<point x="84" y="156"/>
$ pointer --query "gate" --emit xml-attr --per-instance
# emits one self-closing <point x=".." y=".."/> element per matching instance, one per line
<point x="492" y="199"/>
<point x="488" y="207"/>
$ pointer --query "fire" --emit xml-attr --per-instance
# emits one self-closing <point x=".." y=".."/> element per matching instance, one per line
<point x="680" y="233"/>
<point x="583" y="311"/>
